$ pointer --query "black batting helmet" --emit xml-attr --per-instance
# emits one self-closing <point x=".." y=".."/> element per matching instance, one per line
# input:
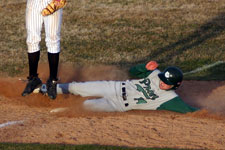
<point x="172" y="76"/>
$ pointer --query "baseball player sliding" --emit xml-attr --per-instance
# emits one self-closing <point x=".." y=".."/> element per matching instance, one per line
<point x="49" y="13"/>
<point x="152" y="90"/>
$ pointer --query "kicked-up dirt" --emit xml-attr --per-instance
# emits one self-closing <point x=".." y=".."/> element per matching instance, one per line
<point x="37" y="119"/>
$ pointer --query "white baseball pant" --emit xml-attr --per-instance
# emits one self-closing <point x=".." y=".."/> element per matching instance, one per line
<point x="52" y="25"/>
<point x="109" y="92"/>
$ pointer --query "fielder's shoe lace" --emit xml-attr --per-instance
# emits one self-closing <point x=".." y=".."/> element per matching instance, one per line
<point x="51" y="88"/>
<point x="33" y="83"/>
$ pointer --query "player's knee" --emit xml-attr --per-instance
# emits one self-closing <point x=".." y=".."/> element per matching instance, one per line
<point x="87" y="105"/>
<point x="53" y="47"/>
<point x="32" y="48"/>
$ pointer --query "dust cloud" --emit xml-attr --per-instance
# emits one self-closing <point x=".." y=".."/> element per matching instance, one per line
<point x="206" y="95"/>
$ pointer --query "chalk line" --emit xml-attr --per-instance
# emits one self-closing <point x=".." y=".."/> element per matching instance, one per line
<point x="10" y="123"/>
<point x="205" y="67"/>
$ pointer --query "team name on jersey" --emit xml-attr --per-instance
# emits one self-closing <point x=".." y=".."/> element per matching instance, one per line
<point x="144" y="87"/>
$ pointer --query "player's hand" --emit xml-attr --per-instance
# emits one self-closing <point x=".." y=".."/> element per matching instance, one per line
<point x="152" y="65"/>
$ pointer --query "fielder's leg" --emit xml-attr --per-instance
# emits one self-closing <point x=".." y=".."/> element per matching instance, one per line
<point x="34" y="23"/>
<point x="52" y="28"/>
<point x="52" y="25"/>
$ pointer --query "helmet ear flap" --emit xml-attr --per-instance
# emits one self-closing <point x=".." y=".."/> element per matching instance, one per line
<point x="175" y="87"/>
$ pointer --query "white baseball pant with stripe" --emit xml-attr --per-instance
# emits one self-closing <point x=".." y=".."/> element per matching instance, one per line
<point x="34" y="23"/>
<point x="109" y="92"/>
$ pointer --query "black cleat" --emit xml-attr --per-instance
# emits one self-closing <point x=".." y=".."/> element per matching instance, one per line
<point x="33" y="83"/>
<point x="51" y="88"/>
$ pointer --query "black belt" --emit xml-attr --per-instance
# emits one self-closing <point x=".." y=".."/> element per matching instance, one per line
<point x="124" y="94"/>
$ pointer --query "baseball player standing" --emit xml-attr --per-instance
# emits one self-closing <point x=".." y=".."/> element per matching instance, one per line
<point x="49" y="13"/>
<point x="153" y="90"/>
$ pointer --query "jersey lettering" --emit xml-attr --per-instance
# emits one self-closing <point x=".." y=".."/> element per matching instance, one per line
<point x="140" y="100"/>
<point x="145" y="88"/>
<point x="140" y="89"/>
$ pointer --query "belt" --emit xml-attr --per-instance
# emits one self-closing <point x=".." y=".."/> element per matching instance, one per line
<point x="124" y="94"/>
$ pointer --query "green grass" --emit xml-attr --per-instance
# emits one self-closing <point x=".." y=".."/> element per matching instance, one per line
<point x="17" y="146"/>
<point x="215" y="73"/>
<point x="186" y="33"/>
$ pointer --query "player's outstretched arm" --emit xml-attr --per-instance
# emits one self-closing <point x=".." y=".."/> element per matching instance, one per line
<point x="177" y="104"/>
<point x="143" y="70"/>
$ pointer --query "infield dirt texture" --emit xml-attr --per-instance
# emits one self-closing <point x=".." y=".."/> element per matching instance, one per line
<point x="101" y="40"/>
<point x="36" y="123"/>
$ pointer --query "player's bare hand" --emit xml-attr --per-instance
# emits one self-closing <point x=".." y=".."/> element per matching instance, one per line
<point x="152" y="65"/>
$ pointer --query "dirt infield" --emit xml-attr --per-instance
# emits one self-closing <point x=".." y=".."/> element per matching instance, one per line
<point x="35" y="122"/>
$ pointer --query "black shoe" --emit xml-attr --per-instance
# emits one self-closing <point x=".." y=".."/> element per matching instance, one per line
<point x="33" y="83"/>
<point x="51" y="88"/>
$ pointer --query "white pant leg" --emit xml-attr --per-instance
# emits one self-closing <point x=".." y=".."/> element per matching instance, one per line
<point x="109" y="100"/>
<point x="34" y="21"/>
<point x="90" y="88"/>
<point x="100" y="104"/>
<point x="52" y="25"/>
